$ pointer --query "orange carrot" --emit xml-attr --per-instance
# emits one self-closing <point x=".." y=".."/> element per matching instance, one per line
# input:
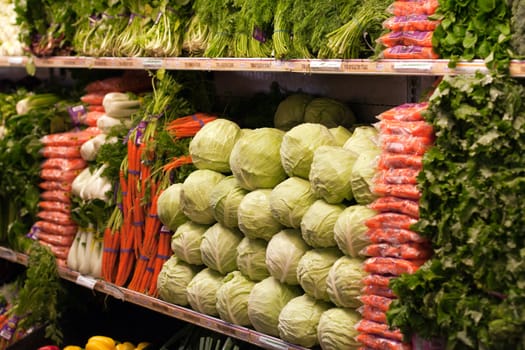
<point x="163" y="254"/>
<point x="177" y="162"/>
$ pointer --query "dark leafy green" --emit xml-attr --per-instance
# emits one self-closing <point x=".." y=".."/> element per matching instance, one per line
<point x="473" y="183"/>
<point x="472" y="29"/>
<point x="518" y="27"/>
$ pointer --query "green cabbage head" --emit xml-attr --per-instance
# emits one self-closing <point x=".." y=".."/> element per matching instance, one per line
<point x="186" y="242"/>
<point x="344" y="282"/>
<point x="329" y="112"/>
<point x="255" y="159"/>
<point x="317" y="225"/>
<point x="195" y="195"/>
<point x="254" y="216"/>
<point x="350" y="229"/>
<point x="225" y="199"/>
<point x="341" y="134"/>
<point x="330" y="173"/>
<point x="313" y="269"/>
<point x="219" y="248"/>
<point x="363" y="173"/>
<point x="251" y="258"/>
<point x="298" y="146"/>
<point x="266" y="300"/>
<point x="363" y="139"/>
<point x="290" y="111"/>
<point x="290" y="200"/>
<point x="299" y="319"/>
<point x="337" y="329"/>
<point x="232" y="298"/>
<point x="283" y="253"/>
<point x="173" y="279"/>
<point x="211" y="146"/>
<point x="169" y="208"/>
<point x="202" y="291"/>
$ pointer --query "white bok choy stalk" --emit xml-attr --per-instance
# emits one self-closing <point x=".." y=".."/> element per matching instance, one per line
<point x="72" y="256"/>
<point x="89" y="186"/>
<point x="89" y="149"/>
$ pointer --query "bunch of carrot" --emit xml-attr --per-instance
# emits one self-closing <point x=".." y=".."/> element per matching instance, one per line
<point x="395" y="249"/>
<point x="136" y="245"/>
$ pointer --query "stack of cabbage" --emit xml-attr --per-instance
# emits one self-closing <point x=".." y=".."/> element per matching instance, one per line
<point x="267" y="231"/>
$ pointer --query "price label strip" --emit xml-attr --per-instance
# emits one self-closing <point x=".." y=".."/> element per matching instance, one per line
<point x="86" y="281"/>
<point x="410" y="66"/>
<point x="325" y="65"/>
<point x="272" y="343"/>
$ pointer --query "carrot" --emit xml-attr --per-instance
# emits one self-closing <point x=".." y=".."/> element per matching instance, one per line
<point x="372" y="289"/>
<point x="394" y="160"/>
<point x="379" y="302"/>
<point x="409" y="52"/>
<point x="56" y="217"/>
<point x="373" y="314"/>
<point x="391" y="266"/>
<point x="409" y="251"/>
<point x="189" y="125"/>
<point x="60" y="152"/>
<point x="390" y="220"/>
<point x="394" y="236"/>
<point x="377" y="342"/>
<point x="410" y="23"/>
<point x="95" y="108"/>
<point x="378" y="280"/>
<point x="55" y="206"/>
<point x="406" y="191"/>
<point x="55" y="185"/>
<point x="126" y="255"/>
<point x="177" y="162"/>
<point x="147" y="276"/>
<point x="93" y="98"/>
<point x="405" y="8"/>
<point x="405" y="112"/>
<point x="138" y="273"/>
<point x="163" y="254"/>
<point x="396" y="204"/>
<point x="380" y="329"/>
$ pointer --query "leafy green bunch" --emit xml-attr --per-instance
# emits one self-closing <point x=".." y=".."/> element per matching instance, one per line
<point x="472" y="29"/>
<point x="472" y="291"/>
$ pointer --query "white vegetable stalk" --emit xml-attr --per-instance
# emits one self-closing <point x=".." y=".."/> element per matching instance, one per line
<point x="107" y="123"/>
<point x="72" y="257"/>
<point x="90" y="148"/>
<point x="120" y="105"/>
<point x="90" y="186"/>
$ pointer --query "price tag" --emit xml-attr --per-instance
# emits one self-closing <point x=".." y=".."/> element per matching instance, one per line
<point x="260" y="65"/>
<point x="224" y="65"/>
<point x="8" y="254"/>
<point x="470" y="68"/>
<point x="325" y="64"/>
<point x="272" y="343"/>
<point x="86" y="281"/>
<point x="413" y="66"/>
<point x="152" y="63"/>
<point x="15" y="60"/>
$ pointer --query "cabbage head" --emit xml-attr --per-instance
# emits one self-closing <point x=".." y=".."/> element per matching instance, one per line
<point x="299" y="319"/>
<point x="350" y="229"/>
<point x="219" y="248"/>
<point x="341" y="134"/>
<point x="169" y="208"/>
<point x="290" y="200"/>
<point x="330" y="174"/>
<point x="312" y="271"/>
<point x="344" y="282"/>
<point x="186" y="242"/>
<point x="329" y="112"/>
<point x="173" y="279"/>
<point x="363" y="172"/>
<point x="211" y="146"/>
<point x="254" y="216"/>
<point x="290" y="112"/>
<point x="202" y="291"/>
<point x="195" y="195"/>
<point x="283" y="253"/>
<point x="232" y="298"/>
<point x="255" y="159"/>
<point x="337" y="329"/>
<point x="363" y="139"/>
<point x="298" y="146"/>
<point x="317" y="225"/>
<point x="251" y="258"/>
<point x="266" y="300"/>
<point x="225" y="199"/>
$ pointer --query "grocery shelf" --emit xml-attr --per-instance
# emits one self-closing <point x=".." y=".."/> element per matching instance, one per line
<point x="245" y="334"/>
<point x="305" y="66"/>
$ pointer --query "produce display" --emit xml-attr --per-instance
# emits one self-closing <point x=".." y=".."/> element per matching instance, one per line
<point x="288" y="217"/>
